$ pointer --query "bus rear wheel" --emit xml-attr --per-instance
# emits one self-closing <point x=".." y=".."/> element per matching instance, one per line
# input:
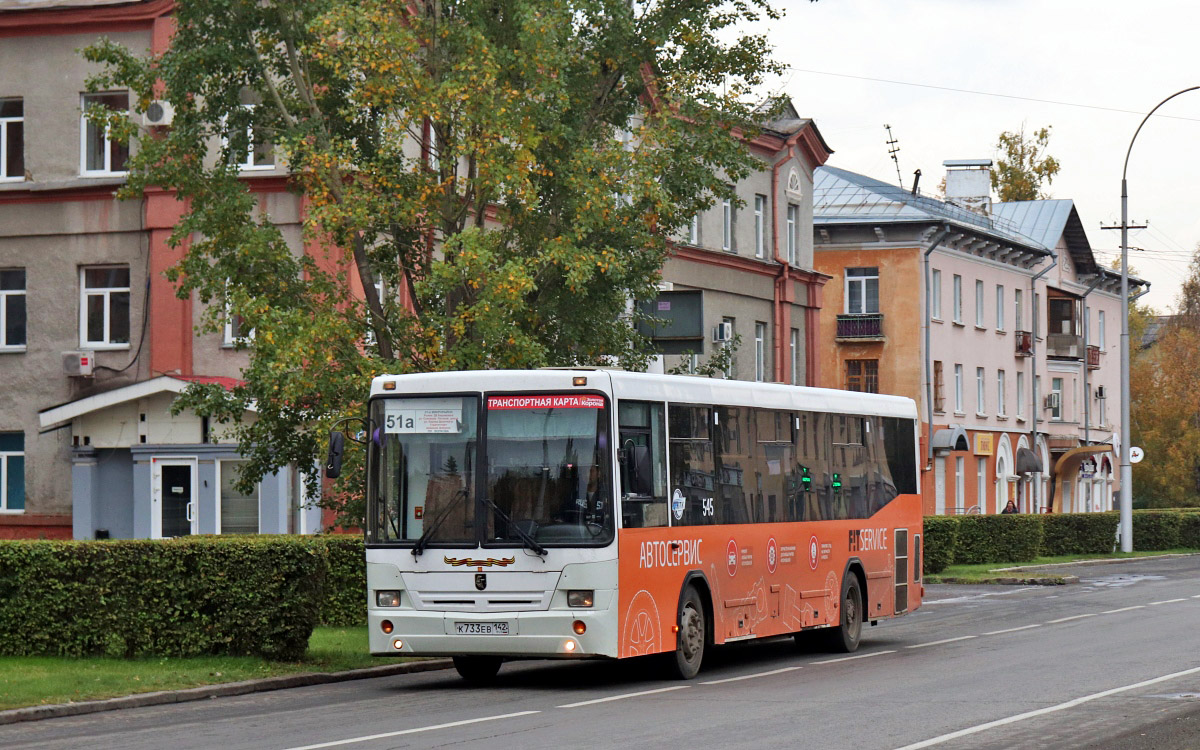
<point x="477" y="669"/>
<point x="692" y="637"/>
<point x="846" y="636"/>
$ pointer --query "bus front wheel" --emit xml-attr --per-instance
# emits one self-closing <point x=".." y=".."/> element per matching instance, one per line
<point x="691" y="638"/>
<point x="478" y="669"/>
<point x="845" y="637"/>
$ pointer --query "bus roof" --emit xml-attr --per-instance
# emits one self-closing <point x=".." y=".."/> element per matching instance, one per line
<point x="689" y="389"/>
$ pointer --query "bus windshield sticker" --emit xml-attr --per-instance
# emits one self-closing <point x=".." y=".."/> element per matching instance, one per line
<point x="441" y="416"/>
<point x="550" y="401"/>
<point x="677" y="504"/>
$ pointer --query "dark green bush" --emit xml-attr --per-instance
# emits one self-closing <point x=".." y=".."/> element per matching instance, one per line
<point x="345" y="600"/>
<point x="1156" y="530"/>
<point x="941" y="535"/>
<point x="1189" y="530"/>
<point x="1079" y="533"/>
<point x="1003" y="538"/>
<point x="257" y="596"/>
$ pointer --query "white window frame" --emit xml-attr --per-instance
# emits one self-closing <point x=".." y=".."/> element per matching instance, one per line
<point x="960" y="484"/>
<point x="727" y="225"/>
<point x="795" y="354"/>
<point x="1057" y="385"/>
<point x="219" y="464"/>
<point x="1018" y="310"/>
<point x="1001" y="384"/>
<point x="981" y="483"/>
<point x="84" y="124"/>
<point x="760" y="226"/>
<point x="980" y="391"/>
<point x="861" y="282"/>
<point x="793" y="222"/>
<point x="979" y="304"/>
<point x="999" y="307"/>
<point x="1020" y="395"/>
<point x="957" y="311"/>
<point x="935" y="295"/>
<point x="246" y="163"/>
<point x="1100" y="329"/>
<point x="958" y="389"/>
<point x="694" y="230"/>
<point x="760" y="353"/>
<point x="731" y="369"/>
<point x="5" y="465"/>
<point x="4" y="123"/>
<point x="84" y="292"/>
<point x="4" y="295"/>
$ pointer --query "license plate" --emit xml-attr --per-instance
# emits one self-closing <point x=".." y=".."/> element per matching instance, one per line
<point x="481" y="628"/>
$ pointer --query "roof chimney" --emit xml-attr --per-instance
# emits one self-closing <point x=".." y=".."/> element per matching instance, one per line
<point x="969" y="184"/>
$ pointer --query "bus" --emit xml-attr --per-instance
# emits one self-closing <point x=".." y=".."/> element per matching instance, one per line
<point x="598" y="513"/>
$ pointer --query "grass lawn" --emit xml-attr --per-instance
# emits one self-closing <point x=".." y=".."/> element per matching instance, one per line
<point x="39" y="680"/>
<point x="994" y="572"/>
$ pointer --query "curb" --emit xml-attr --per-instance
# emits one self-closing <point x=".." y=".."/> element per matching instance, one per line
<point x="1014" y="580"/>
<point x="1101" y="561"/>
<point x="161" y="697"/>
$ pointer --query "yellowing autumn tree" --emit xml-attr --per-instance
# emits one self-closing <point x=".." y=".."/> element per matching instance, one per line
<point x="1023" y="166"/>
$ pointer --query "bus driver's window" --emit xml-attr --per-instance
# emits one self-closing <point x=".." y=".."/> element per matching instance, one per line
<point x="643" y="464"/>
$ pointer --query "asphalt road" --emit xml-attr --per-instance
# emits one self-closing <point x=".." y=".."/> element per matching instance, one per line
<point x="1112" y="662"/>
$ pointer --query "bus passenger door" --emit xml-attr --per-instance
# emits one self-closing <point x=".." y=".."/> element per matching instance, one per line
<point x="901" y="552"/>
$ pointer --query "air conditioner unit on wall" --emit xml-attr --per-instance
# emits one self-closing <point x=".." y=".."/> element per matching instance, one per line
<point x="160" y="113"/>
<point x="1101" y="392"/>
<point x="78" y="364"/>
<point x="1053" y="400"/>
<point x="723" y="332"/>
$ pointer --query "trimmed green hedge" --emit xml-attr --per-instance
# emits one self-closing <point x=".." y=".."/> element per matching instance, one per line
<point x="984" y="539"/>
<point x="1189" y="530"/>
<point x="941" y="537"/>
<point x="257" y="596"/>
<point x="1155" y="530"/>
<point x="345" y="600"/>
<point x="1079" y="533"/>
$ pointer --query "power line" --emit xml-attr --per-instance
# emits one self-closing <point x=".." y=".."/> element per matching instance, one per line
<point x="985" y="93"/>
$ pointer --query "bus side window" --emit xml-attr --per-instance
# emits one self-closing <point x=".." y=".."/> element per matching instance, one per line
<point x="693" y="467"/>
<point x="643" y="464"/>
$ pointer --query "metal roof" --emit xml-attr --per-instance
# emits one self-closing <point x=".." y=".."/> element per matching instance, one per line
<point x="1046" y="221"/>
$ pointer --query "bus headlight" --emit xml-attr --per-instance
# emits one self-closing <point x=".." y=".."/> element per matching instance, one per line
<point x="581" y="598"/>
<point x="387" y="598"/>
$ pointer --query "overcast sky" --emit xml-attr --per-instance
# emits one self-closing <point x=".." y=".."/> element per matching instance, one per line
<point x="1126" y="55"/>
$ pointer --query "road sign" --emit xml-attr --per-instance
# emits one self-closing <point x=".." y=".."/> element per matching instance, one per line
<point x="1136" y="454"/>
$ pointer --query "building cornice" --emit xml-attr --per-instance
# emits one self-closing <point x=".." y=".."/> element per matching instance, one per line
<point x="134" y="16"/>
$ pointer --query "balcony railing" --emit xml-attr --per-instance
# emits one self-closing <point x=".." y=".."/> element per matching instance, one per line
<point x="1064" y="346"/>
<point x="860" y="326"/>
<point x="1093" y="357"/>
<point x="1024" y="343"/>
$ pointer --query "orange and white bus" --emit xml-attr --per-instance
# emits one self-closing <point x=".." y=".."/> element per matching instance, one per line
<point x="607" y="514"/>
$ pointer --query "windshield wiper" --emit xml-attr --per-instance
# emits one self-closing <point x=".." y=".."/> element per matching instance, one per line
<point x="529" y="541"/>
<point x="419" y="547"/>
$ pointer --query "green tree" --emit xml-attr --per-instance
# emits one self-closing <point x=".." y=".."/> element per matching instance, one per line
<point x="511" y="168"/>
<point x="1023" y="166"/>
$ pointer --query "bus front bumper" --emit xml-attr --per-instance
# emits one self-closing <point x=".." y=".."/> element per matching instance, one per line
<point x="542" y="634"/>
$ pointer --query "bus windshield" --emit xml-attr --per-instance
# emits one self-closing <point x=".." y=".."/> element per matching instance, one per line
<point x="547" y="477"/>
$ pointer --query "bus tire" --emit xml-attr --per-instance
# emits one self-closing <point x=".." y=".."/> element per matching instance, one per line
<point x="477" y="669"/>
<point x="846" y="636"/>
<point x="692" y="638"/>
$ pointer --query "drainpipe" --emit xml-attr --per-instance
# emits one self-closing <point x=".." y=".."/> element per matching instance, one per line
<point x="1033" y="335"/>
<point x="937" y="238"/>
<point x="1087" y="394"/>
<point x="782" y="325"/>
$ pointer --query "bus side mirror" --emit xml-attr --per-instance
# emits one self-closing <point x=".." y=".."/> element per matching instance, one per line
<point x="333" y="462"/>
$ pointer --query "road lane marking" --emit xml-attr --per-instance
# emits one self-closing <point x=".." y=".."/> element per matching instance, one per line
<point x="1013" y="630"/>
<point x="1168" y="601"/>
<point x="1072" y="617"/>
<point x="1042" y="711"/>
<point x="1123" y="609"/>
<point x="415" y="730"/>
<point x="856" y="656"/>
<point x="1197" y="596"/>
<point x="749" y="676"/>
<point x="944" y="640"/>
<point x="622" y="696"/>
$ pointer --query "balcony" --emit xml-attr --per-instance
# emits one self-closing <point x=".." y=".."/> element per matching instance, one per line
<point x="860" y="327"/>
<point x="1064" y="346"/>
<point x="1024" y="343"/>
<point x="1093" y="357"/>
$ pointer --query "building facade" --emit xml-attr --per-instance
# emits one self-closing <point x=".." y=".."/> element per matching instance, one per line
<point x="994" y="318"/>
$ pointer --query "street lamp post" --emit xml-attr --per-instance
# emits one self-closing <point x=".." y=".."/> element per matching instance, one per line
<point x="1126" y="465"/>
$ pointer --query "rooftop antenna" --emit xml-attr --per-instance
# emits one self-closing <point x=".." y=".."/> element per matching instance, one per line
<point x="894" y="149"/>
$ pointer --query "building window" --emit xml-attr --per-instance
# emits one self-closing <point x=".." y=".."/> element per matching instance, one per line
<point x="939" y="388"/>
<point x="694" y="230"/>
<point x="1000" y="384"/>
<point x="999" y="307"/>
<point x="958" y="389"/>
<point x="862" y="375"/>
<point x="12" y="140"/>
<point x="981" y="483"/>
<point x="760" y="226"/>
<point x="1062" y="314"/>
<point x="960" y="484"/>
<point x="760" y="352"/>
<point x="1056" y="410"/>
<point x="254" y="152"/>
<point x="1018" y="313"/>
<point x="935" y="295"/>
<point x="101" y="156"/>
<point x="795" y="356"/>
<point x="238" y="511"/>
<point x="978" y="303"/>
<point x="1100" y="328"/>
<point x="1103" y="411"/>
<point x="104" y="307"/>
<point x="727" y="225"/>
<point x="793" y="227"/>
<point x="731" y="368"/>
<point x="1020" y="394"/>
<point x="237" y="333"/>
<point x="957" y="299"/>
<point x="12" y="472"/>
<point x="980" y="392"/>
<point x="862" y="291"/>
<point x="12" y="310"/>
<point x="693" y="363"/>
